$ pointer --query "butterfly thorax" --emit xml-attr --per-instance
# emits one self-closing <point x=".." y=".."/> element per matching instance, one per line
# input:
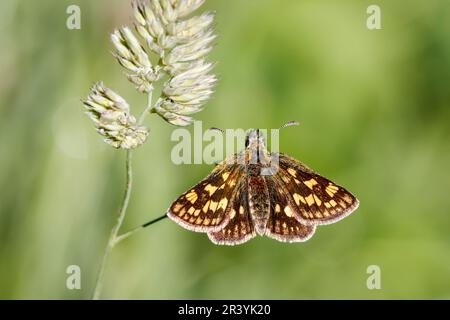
<point x="255" y="150"/>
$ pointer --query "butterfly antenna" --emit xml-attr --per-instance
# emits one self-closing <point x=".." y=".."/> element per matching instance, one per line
<point x="290" y="124"/>
<point x="216" y="129"/>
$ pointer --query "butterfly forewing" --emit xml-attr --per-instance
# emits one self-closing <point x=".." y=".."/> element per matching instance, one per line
<point x="240" y="227"/>
<point x="319" y="200"/>
<point x="203" y="208"/>
<point x="282" y="224"/>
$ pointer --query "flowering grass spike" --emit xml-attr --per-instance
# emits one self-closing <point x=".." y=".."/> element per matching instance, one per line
<point x="166" y="41"/>
<point x="111" y="116"/>
<point x="178" y="46"/>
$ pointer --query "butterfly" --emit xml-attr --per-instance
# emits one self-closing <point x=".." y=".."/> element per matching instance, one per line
<point x="256" y="192"/>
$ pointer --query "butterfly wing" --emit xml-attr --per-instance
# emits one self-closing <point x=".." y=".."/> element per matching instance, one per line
<point x="317" y="199"/>
<point x="204" y="207"/>
<point x="240" y="227"/>
<point x="282" y="224"/>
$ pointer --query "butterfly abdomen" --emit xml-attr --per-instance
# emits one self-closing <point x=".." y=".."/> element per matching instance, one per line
<point x="259" y="203"/>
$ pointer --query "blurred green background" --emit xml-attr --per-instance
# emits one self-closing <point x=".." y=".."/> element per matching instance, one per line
<point x="374" y="108"/>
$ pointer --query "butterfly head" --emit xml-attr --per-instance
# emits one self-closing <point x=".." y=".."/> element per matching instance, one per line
<point x="255" y="139"/>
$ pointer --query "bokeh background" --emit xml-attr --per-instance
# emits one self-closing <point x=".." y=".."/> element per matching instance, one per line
<point x="374" y="108"/>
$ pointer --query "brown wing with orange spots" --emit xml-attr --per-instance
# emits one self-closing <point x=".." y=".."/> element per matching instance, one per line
<point x="203" y="208"/>
<point x="240" y="228"/>
<point x="282" y="225"/>
<point x="319" y="200"/>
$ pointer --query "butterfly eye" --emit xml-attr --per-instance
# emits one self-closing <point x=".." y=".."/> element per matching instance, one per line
<point x="252" y="136"/>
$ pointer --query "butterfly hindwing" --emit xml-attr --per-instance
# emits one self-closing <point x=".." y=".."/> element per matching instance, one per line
<point x="240" y="227"/>
<point x="319" y="200"/>
<point x="282" y="224"/>
<point x="203" y="208"/>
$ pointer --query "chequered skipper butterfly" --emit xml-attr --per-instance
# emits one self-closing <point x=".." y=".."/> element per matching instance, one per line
<point x="239" y="200"/>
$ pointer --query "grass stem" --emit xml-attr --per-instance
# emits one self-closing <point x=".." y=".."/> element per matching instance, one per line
<point x="115" y="230"/>
<point x="114" y="237"/>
